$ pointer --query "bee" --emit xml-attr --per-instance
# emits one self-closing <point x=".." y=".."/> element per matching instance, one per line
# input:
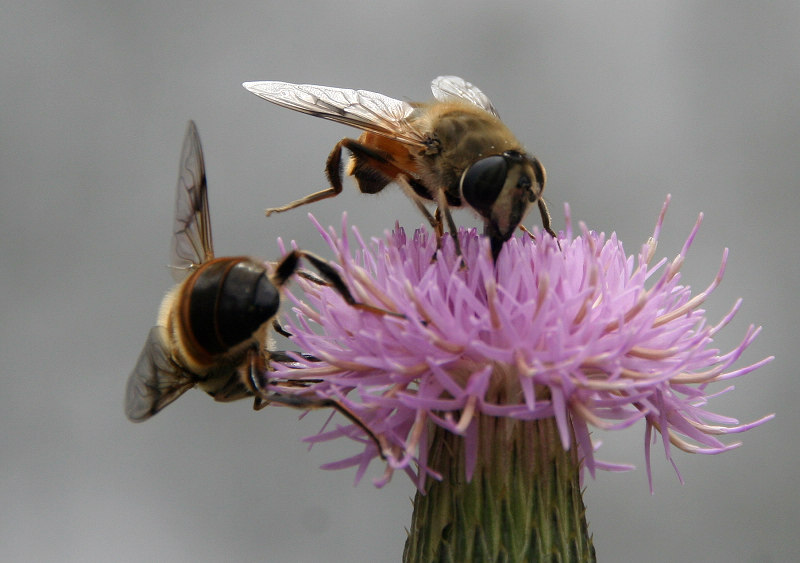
<point x="213" y="325"/>
<point x="454" y="152"/>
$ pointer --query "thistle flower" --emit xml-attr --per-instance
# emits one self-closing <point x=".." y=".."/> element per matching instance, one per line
<point x="548" y="339"/>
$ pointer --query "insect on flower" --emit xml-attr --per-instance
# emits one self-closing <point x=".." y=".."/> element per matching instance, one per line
<point x="454" y="151"/>
<point x="588" y="336"/>
<point x="212" y="327"/>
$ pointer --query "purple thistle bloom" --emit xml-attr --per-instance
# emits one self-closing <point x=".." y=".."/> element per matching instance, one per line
<point x="583" y="334"/>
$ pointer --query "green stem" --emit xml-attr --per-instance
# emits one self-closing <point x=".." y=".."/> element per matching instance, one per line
<point x="523" y="503"/>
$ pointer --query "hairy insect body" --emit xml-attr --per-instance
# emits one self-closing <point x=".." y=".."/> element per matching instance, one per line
<point x="452" y="152"/>
<point x="460" y="135"/>
<point x="219" y="313"/>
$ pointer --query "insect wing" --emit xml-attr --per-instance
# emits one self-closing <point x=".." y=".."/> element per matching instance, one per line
<point x="447" y="88"/>
<point x="365" y="110"/>
<point x="191" y="239"/>
<point x="156" y="380"/>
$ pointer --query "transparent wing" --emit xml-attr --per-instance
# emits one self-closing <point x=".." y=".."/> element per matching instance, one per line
<point x="447" y="88"/>
<point x="191" y="239"/>
<point x="155" y="381"/>
<point x="358" y="108"/>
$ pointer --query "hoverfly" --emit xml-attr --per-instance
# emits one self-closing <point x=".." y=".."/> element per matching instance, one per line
<point x="213" y="326"/>
<point x="454" y="151"/>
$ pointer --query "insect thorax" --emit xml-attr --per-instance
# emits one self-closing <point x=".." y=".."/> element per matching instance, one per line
<point x="465" y="135"/>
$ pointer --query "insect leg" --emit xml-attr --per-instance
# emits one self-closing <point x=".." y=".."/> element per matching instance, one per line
<point x="438" y="226"/>
<point x="546" y="221"/>
<point x="441" y="202"/>
<point x="333" y="170"/>
<point x="525" y="230"/>
<point x="413" y="189"/>
<point x="259" y="366"/>
<point x="257" y="382"/>
<point x="277" y="327"/>
<point x="434" y="221"/>
<point x="301" y="402"/>
<point x="283" y="357"/>
<point x="289" y="264"/>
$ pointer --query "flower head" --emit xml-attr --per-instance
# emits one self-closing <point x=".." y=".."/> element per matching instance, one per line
<point x="582" y="334"/>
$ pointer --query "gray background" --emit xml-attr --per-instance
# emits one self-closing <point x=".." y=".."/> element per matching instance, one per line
<point x="623" y="103"/>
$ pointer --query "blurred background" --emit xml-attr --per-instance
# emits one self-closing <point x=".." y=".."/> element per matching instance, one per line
<point x="623" y="103"/>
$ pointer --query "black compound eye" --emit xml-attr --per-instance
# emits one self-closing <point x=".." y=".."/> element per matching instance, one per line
<point x="482" y="182"/>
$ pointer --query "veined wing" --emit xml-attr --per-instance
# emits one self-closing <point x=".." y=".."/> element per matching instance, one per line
<point x="365" y="110"/>
<point x="156" y="380"/>
<point x="446" y="88"/>
<point x="191" y="237"/>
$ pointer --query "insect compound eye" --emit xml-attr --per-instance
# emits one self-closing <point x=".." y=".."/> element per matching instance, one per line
<point x="482" y="182"/>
